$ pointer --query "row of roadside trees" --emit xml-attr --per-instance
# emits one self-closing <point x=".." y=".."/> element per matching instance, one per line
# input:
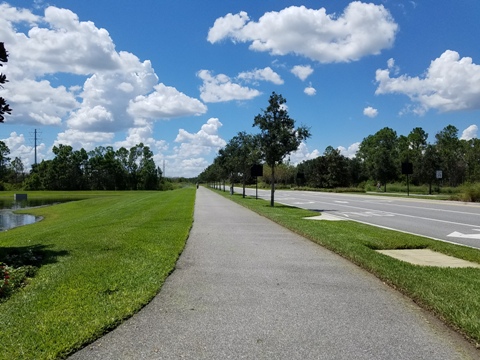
<point x="447" y="160"/>
<point x="278" y="138"/>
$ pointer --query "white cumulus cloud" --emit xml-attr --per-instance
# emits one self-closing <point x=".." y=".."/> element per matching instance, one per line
<point x="109" y="91"/>
<point x="349" y="152"/>
<point x="370" y="112"/>
<point x="266" y="74"/>
<point x="310" y="91"/>
<point x="470" y="133"/>
<point x="165" y="102"/>
<point x="26" y="153"/>
<point x="188" y="158"/>
<point x="361" y="30"/>
<point x="221" y="88"/>
<point x="302" y="154"/>
<point x="450" y="83"/>
<point x="302" y="71"/>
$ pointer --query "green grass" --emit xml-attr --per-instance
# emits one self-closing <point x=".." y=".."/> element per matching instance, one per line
<point x="99" y="261"/>
<point x="453" y="294"/>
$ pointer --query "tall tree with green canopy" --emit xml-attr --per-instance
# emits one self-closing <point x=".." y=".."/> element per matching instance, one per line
<point x="337" y="168"/>
<point x="4" y="159"/>
<point x="278" y="136"/>
<point x="450" y="150"/>
<point x="379" y="153"/>
<point x="417" y="140"/>
<point x="472" y="159"/>
<point x="429" y="166"/>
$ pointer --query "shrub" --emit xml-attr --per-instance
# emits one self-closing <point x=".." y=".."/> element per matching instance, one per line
<point x="470" y="192"/>
<point x="4" y="279"/>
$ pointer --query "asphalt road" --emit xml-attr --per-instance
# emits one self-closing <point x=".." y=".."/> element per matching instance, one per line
<point x="450" y="221"/>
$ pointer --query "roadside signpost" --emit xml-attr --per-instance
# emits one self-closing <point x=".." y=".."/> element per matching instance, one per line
<point x="407" y="169"/>
<point x="256" y="171"/>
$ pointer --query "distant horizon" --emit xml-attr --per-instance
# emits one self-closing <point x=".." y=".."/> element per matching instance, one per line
<point x="184" y="77"/>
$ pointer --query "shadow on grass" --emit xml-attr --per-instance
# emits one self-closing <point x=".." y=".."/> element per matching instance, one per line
<point x="397" y="247"/>
<point x="33" y="255"/>
<point x="21" y="263"/>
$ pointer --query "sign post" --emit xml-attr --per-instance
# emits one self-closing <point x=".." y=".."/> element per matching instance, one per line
<point x="407" y="169"/>
<point x="256" y="171"/>
<point x="439" y="175"/>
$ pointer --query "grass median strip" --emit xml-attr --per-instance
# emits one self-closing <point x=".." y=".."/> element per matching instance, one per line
<point x="453" y="294"/>
<point x="99" y="261"/>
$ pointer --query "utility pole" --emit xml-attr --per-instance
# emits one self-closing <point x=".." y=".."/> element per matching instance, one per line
<point x="35" y="141"/>
<point x="35" y="146"/>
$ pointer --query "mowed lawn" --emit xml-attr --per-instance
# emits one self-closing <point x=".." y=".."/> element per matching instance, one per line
<point x="100" y="260"/>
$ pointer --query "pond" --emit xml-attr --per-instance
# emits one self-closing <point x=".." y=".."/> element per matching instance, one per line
<point x="9" y="220"/>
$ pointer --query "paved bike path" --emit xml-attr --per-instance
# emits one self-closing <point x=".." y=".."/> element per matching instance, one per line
<point x="246" y="288"/>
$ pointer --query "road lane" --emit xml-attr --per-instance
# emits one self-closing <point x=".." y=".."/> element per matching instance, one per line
<point x="449" y="221"/>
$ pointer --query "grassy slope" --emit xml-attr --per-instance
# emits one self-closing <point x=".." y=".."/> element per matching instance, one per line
<point x="105" y="258"/>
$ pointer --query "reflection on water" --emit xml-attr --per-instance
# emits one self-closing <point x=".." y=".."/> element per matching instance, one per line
<point x="9" y="220"/>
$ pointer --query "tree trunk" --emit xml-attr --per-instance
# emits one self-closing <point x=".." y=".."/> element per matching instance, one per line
<point x="244" y="183"/>
<point x="272" y="191"/>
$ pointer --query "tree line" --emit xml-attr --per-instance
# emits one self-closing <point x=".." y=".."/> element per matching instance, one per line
<point x="447" y="160"/>
<point x="100" y="169"/>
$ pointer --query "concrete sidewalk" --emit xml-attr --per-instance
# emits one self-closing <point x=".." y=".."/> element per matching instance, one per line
<point x="246" y="288"/>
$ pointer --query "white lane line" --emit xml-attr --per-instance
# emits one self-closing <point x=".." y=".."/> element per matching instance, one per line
<point x="404" y="215"/>
<point x="392" y="202"/>
<point x="412" y="233"/>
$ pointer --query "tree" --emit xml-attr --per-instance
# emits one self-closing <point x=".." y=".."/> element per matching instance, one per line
<point x="212" y="174"/>
<point x="148" y="177"/>
<point x="337" y="169"/>
<point x="4" y="107"/>
<point x="4" y="160"/>
<point x="105" y="170"/>
<point x="278" y="136"/>
<point x="66" y="170"/>
<point x="472" y="159"/>
<point x="238" y="156"/>
<point x="417" y="140"/>
<point x="379" y="153"/>
<point x="16" y="171"/>
<point x="450" y="150"/>
<point x="122" y="157"/>
<point x="429" y="166"/>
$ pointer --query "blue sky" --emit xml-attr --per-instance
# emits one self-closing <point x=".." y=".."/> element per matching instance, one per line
<point x="185" y="76"/>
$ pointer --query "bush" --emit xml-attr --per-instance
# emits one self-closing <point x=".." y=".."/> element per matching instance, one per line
<point x="15" y="270"/>
<point x="470" y="192"/>
<point x="4" y="279"/>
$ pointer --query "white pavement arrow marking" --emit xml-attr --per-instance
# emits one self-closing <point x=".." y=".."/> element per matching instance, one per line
<point x="468" y="236"/>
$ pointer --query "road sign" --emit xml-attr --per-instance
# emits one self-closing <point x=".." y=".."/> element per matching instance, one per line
<point x="439" y="174"/>
<point x="407" y="168"/>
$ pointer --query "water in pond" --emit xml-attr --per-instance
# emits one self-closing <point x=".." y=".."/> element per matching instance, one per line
<point x="9" y="220"/>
